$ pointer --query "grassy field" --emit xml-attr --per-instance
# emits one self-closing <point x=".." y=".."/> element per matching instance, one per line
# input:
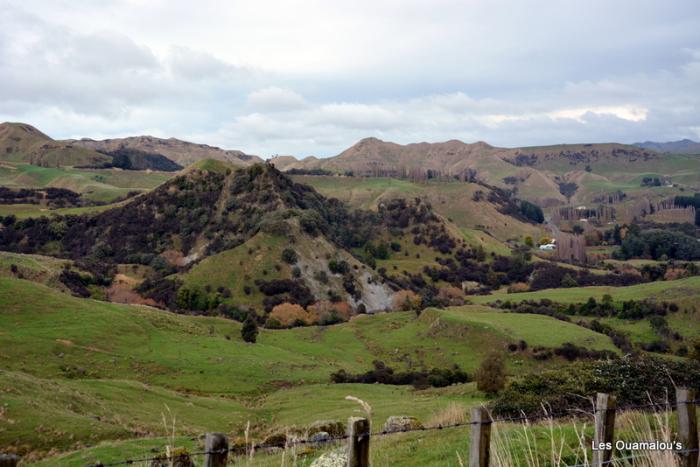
<point x="23" y="211"/>
<point x="530" y="328"/>
<point x="104" y="185"/>
<point x="686" y="290"/>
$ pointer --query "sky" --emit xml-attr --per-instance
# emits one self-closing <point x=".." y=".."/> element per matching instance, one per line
<point x="312" y="77"/>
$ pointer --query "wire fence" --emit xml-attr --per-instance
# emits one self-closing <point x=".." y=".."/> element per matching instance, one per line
<point x="249" y="450"/>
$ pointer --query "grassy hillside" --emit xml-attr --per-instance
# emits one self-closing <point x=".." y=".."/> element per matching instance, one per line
<point x="35" y="268"/>
<point x="453" y="200"/>
<point x="103" y="185"/>
<point x="119" y="341"/>
<point x="93" y="359"/>
<point x="260" y="258"/>
<point x="682" y="289"/>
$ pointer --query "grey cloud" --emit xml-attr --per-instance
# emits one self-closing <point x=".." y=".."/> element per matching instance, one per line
<point x="275" y="99"/>
<point x="245" y="76"/>
<point x="196" y="65"/>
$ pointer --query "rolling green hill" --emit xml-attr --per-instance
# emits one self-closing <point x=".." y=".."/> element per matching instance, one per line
<point x="102" y="186"/>
<point x="681" y="289"/>
<point x="92" y="358"/>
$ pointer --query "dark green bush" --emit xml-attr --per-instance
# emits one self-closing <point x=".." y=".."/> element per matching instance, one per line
<point x="634" y="380"/>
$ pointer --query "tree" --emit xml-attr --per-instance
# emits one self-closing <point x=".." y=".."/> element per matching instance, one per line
<point x="694" y="351"/>
<point x="289" y="256"/>
<point x="249" y="330"/>
<point x="532" y="212"/>
<point x="491" y="375"/>
<point x="568" y="281"/>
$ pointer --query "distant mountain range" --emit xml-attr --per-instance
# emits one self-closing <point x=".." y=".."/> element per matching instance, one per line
<point x="21" y="142"/>
<point x="546" y="175"/>
<point x="372" y="156"/>
<point x="683" y="146"/>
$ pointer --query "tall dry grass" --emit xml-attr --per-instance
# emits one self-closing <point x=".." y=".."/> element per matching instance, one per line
<point x="453" y="414"/>
<point x="559" y="443"/>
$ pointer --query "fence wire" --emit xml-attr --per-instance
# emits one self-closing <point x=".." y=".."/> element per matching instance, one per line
<point x="572" y="413"/>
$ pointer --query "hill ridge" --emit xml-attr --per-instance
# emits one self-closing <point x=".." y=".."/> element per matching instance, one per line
<point x="21" y="142"/>
<point x="179" y="151"/>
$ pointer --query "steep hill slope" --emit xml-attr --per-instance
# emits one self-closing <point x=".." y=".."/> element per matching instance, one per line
<point x="470" y="206"/>
<point x="181" y="152"/>
<point x="20" y="142"/>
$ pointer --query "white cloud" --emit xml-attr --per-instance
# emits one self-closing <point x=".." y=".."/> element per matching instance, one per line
<point x="275" y="99"/>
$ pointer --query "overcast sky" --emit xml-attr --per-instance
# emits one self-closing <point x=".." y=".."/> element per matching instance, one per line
<point x="313" y="77"/>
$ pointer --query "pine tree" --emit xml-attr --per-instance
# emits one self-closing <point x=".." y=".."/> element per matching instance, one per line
<point x="249" y="331"/>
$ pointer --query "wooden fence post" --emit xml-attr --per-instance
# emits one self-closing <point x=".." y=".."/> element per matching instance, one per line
<point x="480" y="447"/>
<point x="604" y="429"/>
<point x="216" y="446"/>
<point x="8" y="460"/>
<point x="687" y="426"/>
<point x="358" y="442"/>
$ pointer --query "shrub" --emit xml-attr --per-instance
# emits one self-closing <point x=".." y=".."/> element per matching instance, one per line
<point x="382" y="374"/>
<point x="328" y="312"/>
<point x="289" y="256"/>
<point x="531" y="212"/>
<point x="249" y="330"/>
<point x="634" y="380"/>
<point x="567" y="281"/>
<point x="451" y="296"/>
<point x="287" y="314"/>
<point x="406" y="300"/>
<point x="491" y="376"/>
<point x="338" y="267"/>
<point x="322" y="277"/>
